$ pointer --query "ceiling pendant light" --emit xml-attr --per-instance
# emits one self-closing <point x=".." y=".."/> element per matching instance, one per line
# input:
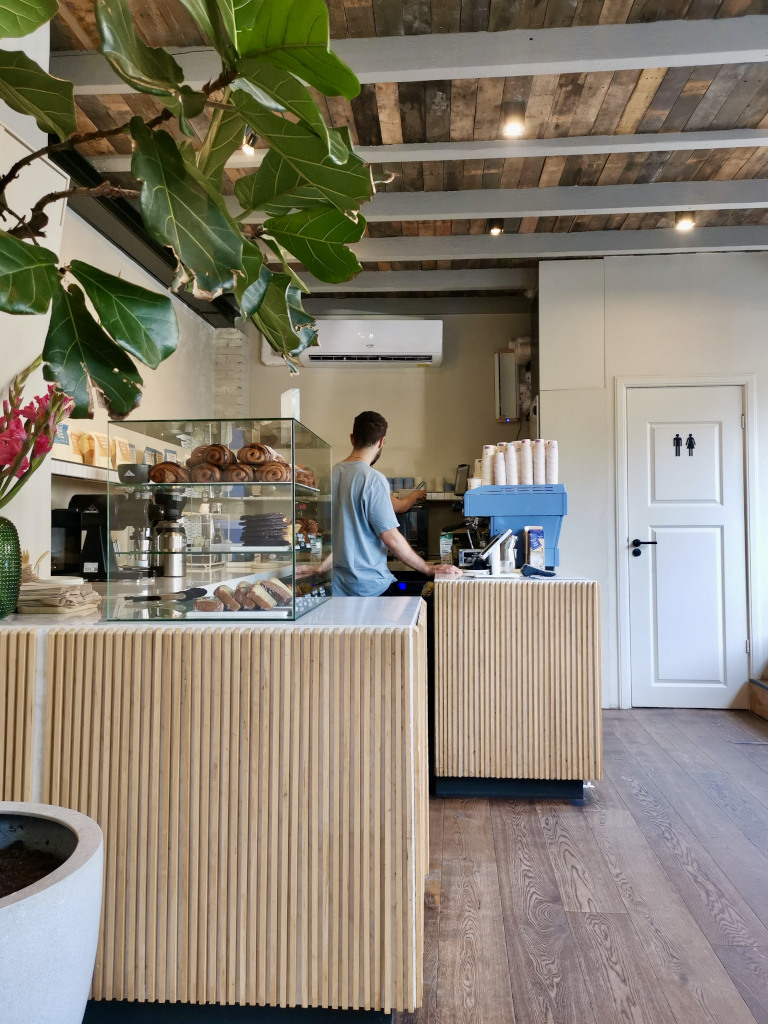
<point x="514" y="126"/>
<point x="249" y="143"/>
<point x="685" y="221"/>
<point x="495" y="227"/>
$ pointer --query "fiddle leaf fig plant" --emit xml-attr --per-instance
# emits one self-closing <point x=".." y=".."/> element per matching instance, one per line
<point x="301" y="204"/>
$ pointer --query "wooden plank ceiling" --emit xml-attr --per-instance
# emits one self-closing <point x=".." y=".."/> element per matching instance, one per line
<point x="598" y="103"/>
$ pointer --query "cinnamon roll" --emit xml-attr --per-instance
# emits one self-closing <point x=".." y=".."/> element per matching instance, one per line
<point x="273" y="472"/>
<point x="256" y="454"/>
<point x="205" y="473"/>
<point x="168" y="473"/>
<point x="219" y="455"/>
<point x="237" y="473"/>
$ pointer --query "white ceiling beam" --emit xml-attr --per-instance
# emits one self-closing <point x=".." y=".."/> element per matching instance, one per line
<point x="557" y="246"/>
<point x="579" y="145"/>
<point x="513" y="279"/>
<point x="557" y="201"/>
<point x="550" y="51"/>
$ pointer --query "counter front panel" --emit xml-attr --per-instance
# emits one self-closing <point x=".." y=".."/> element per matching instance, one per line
<point x="517" y="679"/>
<point x="263" y="796"/>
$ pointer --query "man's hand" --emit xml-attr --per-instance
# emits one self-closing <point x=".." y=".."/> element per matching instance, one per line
<point x="443" y="569"/>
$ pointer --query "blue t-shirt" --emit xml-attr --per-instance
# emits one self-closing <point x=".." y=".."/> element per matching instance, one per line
<point x="362" y="510"/>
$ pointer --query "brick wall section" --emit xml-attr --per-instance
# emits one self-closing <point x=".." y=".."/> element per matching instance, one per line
<point x="231" y="374"/>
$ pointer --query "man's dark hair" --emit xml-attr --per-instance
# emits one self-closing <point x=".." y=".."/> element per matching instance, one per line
<point x="368" y="429"/>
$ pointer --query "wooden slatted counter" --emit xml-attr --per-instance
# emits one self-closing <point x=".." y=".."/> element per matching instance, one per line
<point x="517" y="679"/>
<point x="263" y="797"/>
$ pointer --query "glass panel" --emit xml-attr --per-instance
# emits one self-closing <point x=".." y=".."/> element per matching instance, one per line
<point x="223" y="519"/>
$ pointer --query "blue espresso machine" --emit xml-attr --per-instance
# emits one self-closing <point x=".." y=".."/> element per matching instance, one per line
<point x="515" y="506"/>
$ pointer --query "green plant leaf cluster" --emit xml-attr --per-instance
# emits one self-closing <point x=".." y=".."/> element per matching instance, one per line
<point x="308" y="189"/>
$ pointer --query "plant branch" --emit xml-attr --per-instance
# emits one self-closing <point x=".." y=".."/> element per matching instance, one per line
<point x="38" y="220"/>
<point x="75" y="140"/>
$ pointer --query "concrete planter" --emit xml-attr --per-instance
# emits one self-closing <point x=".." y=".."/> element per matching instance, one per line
<point x="49" y="930"/>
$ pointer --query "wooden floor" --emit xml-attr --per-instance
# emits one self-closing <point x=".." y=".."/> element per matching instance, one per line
<point x="646" y="903"/>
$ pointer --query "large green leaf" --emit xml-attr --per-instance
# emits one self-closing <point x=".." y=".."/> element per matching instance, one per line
<point x="291" y="34"/>
<point x="141" y="321"/>
<point x="282" y="321"/>
<point x="206" y="14"/>
<point x="224" y="136"/>
<point x="181" y="210"/>
<point x="319" y="238"/>
<point x="78" y="355"/>
<point x="144" y="67"/>
<point x="20" y="17"/>
<point x="278" y="90"/>
<point x="28" y="89"/>
<point x="301" y="159"/>
<point x="252" y="286"/>
<point x="284" y="257"/>
<point x="27" y="276"/>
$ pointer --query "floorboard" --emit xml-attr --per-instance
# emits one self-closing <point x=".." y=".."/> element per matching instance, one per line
<point x="644" y="903"/>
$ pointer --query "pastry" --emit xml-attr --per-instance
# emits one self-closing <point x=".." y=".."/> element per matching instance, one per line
<point x="208" y="604"/>
<point x="197" y="456"/>
<point x="168" y="473"/>
<point x="205" y="473"/>
<point x="281" y="593"/>
<point x="273" y="472"/>
<point x="256" y="454"/>
<point x="238" y="473"/>
<point x="227" y="596"/>
<point x="261" y="597"/>
<point x="219" y="455"/>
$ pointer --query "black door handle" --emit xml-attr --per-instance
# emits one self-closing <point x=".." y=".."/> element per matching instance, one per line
<point x="638" y="543"/>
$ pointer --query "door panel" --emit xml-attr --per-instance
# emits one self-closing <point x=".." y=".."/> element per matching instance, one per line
<point x="687" y="592"/>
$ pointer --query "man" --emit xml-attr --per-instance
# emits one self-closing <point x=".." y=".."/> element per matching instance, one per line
<point x="364" y="520"/>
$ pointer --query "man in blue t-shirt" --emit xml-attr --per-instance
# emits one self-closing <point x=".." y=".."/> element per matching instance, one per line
<point x="364" y="522"/>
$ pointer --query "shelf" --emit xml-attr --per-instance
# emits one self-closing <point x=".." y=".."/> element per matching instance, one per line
<point x="236" y="549"/>
<point x="302" y="490"/>
<point x="79" y="471"/>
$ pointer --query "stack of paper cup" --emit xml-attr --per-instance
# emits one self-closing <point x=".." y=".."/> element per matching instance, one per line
<point x="526" y="461"/>
<point x="539" y="461"/>
<point x="552" y="463"/>
<point x="499" y="469"/>
<point x="489" y="450"/>
<point x="510" y="464"/>
<point x="473" y="482"/>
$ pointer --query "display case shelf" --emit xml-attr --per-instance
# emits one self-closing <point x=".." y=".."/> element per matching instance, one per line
<point x="162" y="532"/>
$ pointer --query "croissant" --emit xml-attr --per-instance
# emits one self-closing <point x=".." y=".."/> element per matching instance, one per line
<point x="168" y="473"/>
<point x="205" y="474"/>
<point x="237" y="473"/>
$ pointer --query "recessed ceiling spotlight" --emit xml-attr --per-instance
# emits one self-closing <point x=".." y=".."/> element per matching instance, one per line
<point x="685" y="221"/>
<point x="249" y="143"/>
<point x="495" y="227"/>
<point x="514" y="126"/>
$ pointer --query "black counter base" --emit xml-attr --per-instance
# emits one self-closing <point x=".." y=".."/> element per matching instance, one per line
<point x="109" y="1011"/>
<point x="511" y="789"/>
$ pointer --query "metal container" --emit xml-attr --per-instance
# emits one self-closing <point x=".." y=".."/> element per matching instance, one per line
<point x="172" y="549"/>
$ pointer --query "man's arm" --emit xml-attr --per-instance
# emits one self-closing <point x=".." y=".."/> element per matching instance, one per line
<point x="401" y="549"/>
<point x="406" y="504"/>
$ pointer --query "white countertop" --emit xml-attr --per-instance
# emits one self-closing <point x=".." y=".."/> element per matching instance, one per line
<point x="337" y="612"/>
<point x="516" y="578"/>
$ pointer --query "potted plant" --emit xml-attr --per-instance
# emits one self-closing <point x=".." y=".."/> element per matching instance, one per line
<point x="309" y="187"/>
<point x="49" y="928"/>
<point x="26" y="437"/>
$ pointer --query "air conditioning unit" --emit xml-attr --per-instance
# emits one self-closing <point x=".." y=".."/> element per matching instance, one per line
<point x="383" y="343"/>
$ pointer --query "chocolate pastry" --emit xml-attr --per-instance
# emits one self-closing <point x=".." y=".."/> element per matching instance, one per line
<point x="168" y="473"/>
<point x="237" y="473"/>
<point x="256" y="454"/>
<point x="227" y="596"/>
<point x="281" y="593"/>
<point x="219" y="455"/>
<point x="208" y="604"/>
<point x="273" y="472"/>
<point x="205" y="473"/>
<point x="197" y="456"/>
<point x="261" y="598"/>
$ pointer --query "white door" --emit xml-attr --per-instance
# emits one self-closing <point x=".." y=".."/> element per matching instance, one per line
<point x="687" y="579"/>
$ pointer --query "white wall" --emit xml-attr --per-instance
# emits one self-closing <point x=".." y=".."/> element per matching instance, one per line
<point x="642" y="316"/>
<point x="438" y="416"/>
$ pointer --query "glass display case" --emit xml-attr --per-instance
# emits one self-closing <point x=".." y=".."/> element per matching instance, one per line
<point x="216" y="519"/>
